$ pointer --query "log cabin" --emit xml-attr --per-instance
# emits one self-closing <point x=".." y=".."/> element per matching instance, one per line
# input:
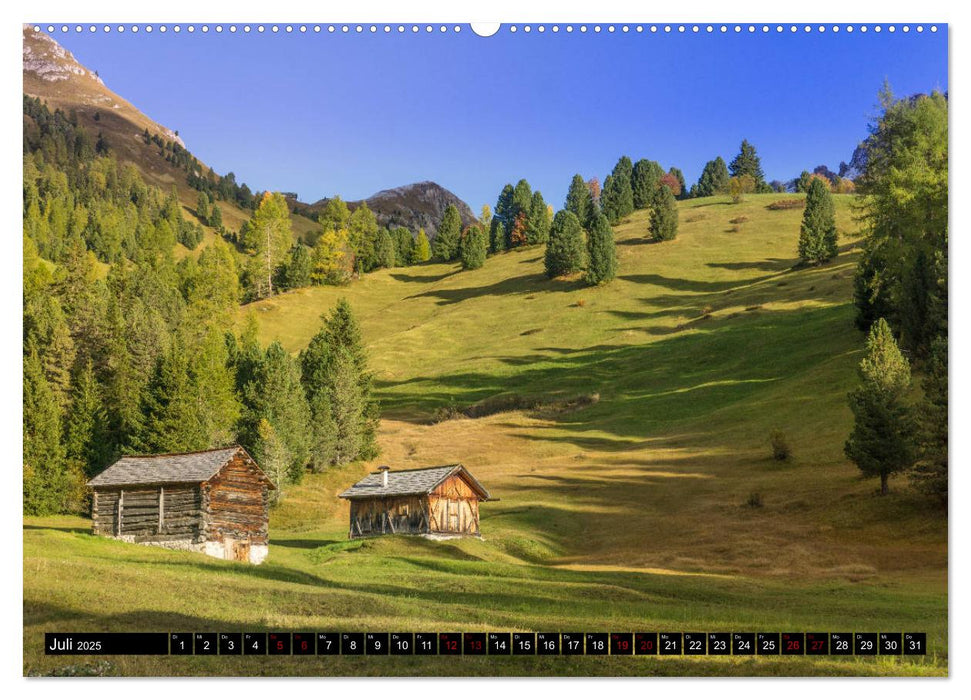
<point x="430" y="501"/>
<point x="215" y="502"/>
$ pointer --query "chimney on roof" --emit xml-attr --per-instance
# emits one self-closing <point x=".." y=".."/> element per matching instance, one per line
<point x="384" y="476"/>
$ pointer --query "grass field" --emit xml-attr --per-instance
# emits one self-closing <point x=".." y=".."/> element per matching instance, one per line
<point x="626" y="511"/>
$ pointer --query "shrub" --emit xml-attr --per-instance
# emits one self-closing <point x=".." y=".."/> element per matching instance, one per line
<point x="787" y="204"/>
<point x="738" y="220"/>
<point x="780" y="446"/>
<point x="754" y="500"/>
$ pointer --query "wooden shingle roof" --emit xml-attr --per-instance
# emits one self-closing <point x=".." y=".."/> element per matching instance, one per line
<point x="183" y="468"/>
<point x="411" y="482"/>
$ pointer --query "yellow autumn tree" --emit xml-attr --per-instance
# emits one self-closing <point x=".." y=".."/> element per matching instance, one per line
<point x="268" y="236"/>
<point x="329" y="257"/>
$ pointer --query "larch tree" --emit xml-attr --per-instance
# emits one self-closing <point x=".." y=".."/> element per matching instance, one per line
<point x="421" y="251"/>
<point x="269" y="237"/>
<point x="883" y="440"/>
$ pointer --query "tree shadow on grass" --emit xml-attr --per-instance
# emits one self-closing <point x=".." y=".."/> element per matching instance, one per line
<point x="523" y="284"/>
<point x="423" y="279"/>
<point x="687" y="285"/>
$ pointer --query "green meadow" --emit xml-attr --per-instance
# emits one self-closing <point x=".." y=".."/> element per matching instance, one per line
<point x="625" y="431"/>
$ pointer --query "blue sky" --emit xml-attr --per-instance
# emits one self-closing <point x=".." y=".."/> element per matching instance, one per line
<point x="323" y="114"/>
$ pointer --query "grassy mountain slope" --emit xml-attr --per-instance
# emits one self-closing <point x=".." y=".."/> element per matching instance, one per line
<point x="626" y="509"/>
<point x="51" y="73"/>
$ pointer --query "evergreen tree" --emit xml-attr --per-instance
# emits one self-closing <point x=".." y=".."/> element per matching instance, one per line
<point x="505" y="212"/>
<point x="618" y="194"/>
<point x="347" y="408"/>
<point x="714" y="178"/>
<point x="473" y="247"/>
<point x="403" y="241"/>
<point x="497" y="236"/>
<point x="385" y="249"/>
<point x="565" y="249"/>
<point x="216" y="217"/>
<point x="203" y="208"/>
<point x="343" y="332"/>
<point x="274" y="458"/>
<point x="522" y="200"/>
<point x="817" y="235"/>
<point x="85" y="440"/>
<point x="47" y="482"/>
<point x="578" y="199"/>
<point x="538" y="220"/>
<point x="275" y="393"/>
<point x="601" y="254"/>
<point x="421" y="251"/>
<point x="362" y="236"/>
<point x="679" y="177"/>
<point x="171" y="421"/>
<point x="645" y="179"/>
<point x="747" y="163"/>
<point x="803" y="181"/>
<point x="664" y="217"/>
<point x="930" y="473"/>
<point x="882" y="442"/>
<point x="445" y="246"/>
<point x="299" y="268"/>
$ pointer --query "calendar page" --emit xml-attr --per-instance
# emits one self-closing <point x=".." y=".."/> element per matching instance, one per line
<point x="516" y="349"/>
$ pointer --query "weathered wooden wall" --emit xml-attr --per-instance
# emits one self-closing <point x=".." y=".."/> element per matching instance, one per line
<point x="392" y="515"/>
<point x="138" y="516"/>
<point x="453" y="508"/>
<point x="236" y="503"/>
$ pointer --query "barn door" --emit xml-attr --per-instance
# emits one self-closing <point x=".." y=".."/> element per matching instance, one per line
<point x="453" y="516"/>
<point x="241" y="551"/>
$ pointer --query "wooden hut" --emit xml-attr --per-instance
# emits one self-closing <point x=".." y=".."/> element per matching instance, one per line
<point x="432" y="501"/>
<point x="215" y="502"/>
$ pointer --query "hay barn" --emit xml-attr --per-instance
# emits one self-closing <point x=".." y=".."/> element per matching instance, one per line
<point x="215" y="502"/>
<point x="431" y="501"/>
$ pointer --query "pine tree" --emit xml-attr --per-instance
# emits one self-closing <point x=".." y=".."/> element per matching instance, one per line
<point x="385" y="249"/>
<point x="347" y="407"/>
<point x="85" y="440"/>
<point x="714" y="178"/>
<point x="618" y="194"/>
<point x="565" y="249"/>
<point x="275" y="393"/>
<point x="538" y="220"/>
<point x="473" y="247"/>
<point x="601" y="254"/>
<point x="343" y="332"/>
<point x="299" y="268"/>
<point x="421" y="251"/>
<point x="578" y="199"/>
<point x="645" y="177"/>
<point x="445" y="246"/>
<point x="522" y="199"/>
<point x="747" y="163"/>
<point x="505" y="211"/>
<point x="817" y="235"/>
<point x="403" y="240"/>
<point x="48" y="484"/>
<point x="203" y="210"/>
<point x="497" y="236"/>
<point x="664" y="217"/>
<point x="216" y="217"/>
<point x="882" y="442"/>
<point x="679" y="178"/>
<point x="930" y="475"/>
